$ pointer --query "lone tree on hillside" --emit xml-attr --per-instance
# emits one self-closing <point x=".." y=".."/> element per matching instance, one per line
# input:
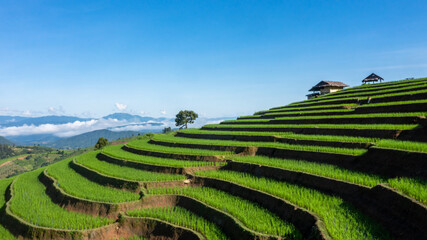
<point x="167" y="129"/>
<point x="102" y="142"/>
<point x="183" y="118"/>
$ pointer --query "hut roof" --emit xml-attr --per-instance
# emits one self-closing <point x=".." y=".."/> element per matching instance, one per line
<point x="372" y="78"/>
<point x="323" y="84"/>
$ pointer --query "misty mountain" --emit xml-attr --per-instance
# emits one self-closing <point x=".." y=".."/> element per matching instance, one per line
<point x="5" y="141"/>
<point x="90" y="138"/>
<point x="132" y="118"/>
<point x="34" y="139"/>
<point x="36" y="121"/>
<point x="10" y="119"/>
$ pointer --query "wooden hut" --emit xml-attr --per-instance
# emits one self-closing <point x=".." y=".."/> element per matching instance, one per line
<point x="372" y="78"/>
<point x="325" y="87"/>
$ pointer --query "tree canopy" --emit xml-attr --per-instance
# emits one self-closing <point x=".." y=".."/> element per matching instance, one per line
<point x="102" y="142"/>
<point x="183" y="118"/>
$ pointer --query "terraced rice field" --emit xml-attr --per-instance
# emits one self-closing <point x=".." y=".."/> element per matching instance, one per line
<point x="182" y="217"/>
<point x="337" y="215"/>
<point x="333" y="167"/>
<point x="89" y="160"/>
<point x="31" y="204"/>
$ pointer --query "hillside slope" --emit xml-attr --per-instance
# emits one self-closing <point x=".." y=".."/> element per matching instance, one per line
<point x="90" y="138"/>
<point x="334" y="167"/>
<point x="5" y="141"/>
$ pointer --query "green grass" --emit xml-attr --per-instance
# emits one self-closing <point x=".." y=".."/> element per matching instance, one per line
<point x="182" y="217"/>
<point x="89" y="160"/>
<point x="313" y="148"/>
<point x="144" y="145"/>
<point x="79" y="186"/>
<point x="33" y="205"/>
<point x="330" y="138"/>
<point x="331" y="126"/>
<point x="12" y="158"/>
<point x="415" y="188"/>
<point x="116" y="151"/>
<point x="342" y="220"/>
<point x="253" y="217"/>
<point x="4" y="183"/>
<point x="324" y="170"/>
<point x="403" y="145"/>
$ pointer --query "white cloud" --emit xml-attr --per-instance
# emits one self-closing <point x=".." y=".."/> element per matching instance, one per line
<point x="137" y="127"/>
<point x="27" y="113"/>
<point x="121" y="106"/>
<point x="62" y="130"/>
<point x="79" y="127"/>
<point x="163" y="112"/>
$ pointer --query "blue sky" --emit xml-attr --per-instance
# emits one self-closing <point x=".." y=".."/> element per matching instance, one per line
<point x="219" y="58"/>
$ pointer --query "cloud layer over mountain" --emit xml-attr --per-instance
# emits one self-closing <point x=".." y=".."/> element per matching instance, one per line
<point x="66" y="127"/>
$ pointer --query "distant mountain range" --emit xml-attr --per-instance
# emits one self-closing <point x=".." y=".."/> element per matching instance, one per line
<point x="90" y="138"/>
<point x="76" y="132"/>
<point x="14" y="121"/>
<point x="5" y="141"/>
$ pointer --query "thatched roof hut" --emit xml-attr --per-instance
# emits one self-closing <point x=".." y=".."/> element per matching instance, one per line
<point x="325" y="87"/>
<point x="372" y="78"/>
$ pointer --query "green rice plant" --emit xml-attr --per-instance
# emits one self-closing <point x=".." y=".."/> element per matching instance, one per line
<point x="331" y="126"/>
<point x="250" y="116"/>
<point x="379" y="92"/>
<point x="182" y="217"/>
<point x="254" y="217"/>
<point x="261" y="120"/>
<point x="290" y="135"/>
<point x="342" y="220"/>
<point x="377" y="88"/>
<point x="386" y="85"/>
<point x="285" y="109"/>
<point x="403" y="145"/>
<point x="4" y="183"/>
<point x="311" y="111"/>
<point x="314" y="148"/>
<point x="320" y="169"/>
<point x="145" y="145"/>
<point x="77" y="185"/>
<point x="116" y="151"/>
<point x="394" y="103"/>
<point x="415" y="188"/>
<point x="31" y="203"/>
<point x="369" y="115"/>
<point x="90" y="161"/>
<point x="365" y="97"/>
